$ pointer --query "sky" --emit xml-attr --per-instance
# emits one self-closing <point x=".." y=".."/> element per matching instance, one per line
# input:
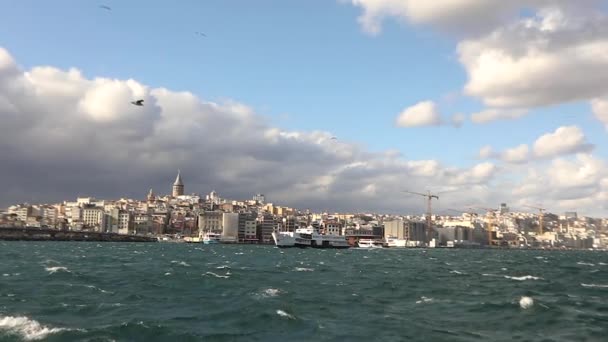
<point x="483" y="101"/>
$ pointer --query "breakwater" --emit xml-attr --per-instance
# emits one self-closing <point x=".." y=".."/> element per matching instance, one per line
<point x="45" y="234"/>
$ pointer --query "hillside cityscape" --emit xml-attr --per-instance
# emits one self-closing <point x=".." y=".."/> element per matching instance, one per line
<point x="180" y="217"/>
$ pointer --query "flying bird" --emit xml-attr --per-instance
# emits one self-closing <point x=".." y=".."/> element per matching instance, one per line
<point x="138" y="102"/>
<point x="334" y="138"/>
<point x="105" y="7"/>
<point x="200" y="34"/>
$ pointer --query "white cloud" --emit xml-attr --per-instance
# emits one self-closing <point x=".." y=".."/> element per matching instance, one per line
<point x="421" y="114"/>
<point x="64" y="135"/>
<point x="468" y="16"/>
<point x="494" y="114"/>
<point x="565" y="140"/>
<point x="558" y="56"/>
<point x="516" y="155"/>
<point x="566" y="183"/>
<point x="600" y="109"/>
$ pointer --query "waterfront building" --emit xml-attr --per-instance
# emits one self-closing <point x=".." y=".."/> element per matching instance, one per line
<point x="178" y="186"/>
<point x="267" y="226"/>
<point x="210" y="221"/>
<point x="230" y="227"/>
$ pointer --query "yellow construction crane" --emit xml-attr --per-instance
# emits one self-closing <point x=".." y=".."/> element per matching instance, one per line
<point x="429" y="198"/>
<point x="541" y="214"/>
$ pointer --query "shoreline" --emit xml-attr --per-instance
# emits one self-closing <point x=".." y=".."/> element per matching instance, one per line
<point x="45" y="234"/>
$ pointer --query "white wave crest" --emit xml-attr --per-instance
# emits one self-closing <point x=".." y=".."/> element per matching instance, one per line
<point x="223" y="267"/>
<point x="284" y="314"/>
<point x="585" y="263"/>
<point x="526" y="277"/>
<point x="526" y="302"/>
<point x="456" y="272"/>
<point x="424" y="299"/>
<point x="26" y="328"/>
<point x="56" y="269"/>
<point x="304" y="269"/>
<point x="271" y="293"/>
<point x="183" y="263"/>
<point x="595" y="285"/>
<point x="602" y="263"/>
<point x="217" y="275"/>
<point x="168" y="273"/>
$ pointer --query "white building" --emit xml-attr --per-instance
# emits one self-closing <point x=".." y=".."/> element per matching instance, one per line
<point x="230" y="227"/>
<point x="210" y="221"/>
<point x="124" y="223"/>
<point x="93" y="217"/>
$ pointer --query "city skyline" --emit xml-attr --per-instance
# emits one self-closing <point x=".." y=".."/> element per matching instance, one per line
<point x="415" y="99"/>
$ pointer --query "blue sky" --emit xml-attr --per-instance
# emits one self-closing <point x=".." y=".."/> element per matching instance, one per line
<point x="311" y="65"/>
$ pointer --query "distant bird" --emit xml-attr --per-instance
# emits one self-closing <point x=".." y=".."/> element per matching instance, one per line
<point x="200" y="34"/>
<point x="105" y="7"/>
<point x="334" y="138"/>
<point x="138" y="102"/>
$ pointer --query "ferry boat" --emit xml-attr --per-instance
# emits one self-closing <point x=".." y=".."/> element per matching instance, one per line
<point x="308" y="237"/>
<point x="211" y="238"/>
<point x="369" y="243"/>
<point x="291" y="239"/>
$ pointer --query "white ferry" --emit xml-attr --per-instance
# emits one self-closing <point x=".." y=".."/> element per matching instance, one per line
<point x="369" y="243"/>
<point x="291" y="239"/>
<point x="308" y="237"/>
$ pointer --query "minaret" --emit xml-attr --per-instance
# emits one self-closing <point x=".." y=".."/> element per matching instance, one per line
<point x="178" y="186"/>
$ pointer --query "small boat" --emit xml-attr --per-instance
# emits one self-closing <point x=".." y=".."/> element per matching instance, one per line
<point x="211" y="238"/>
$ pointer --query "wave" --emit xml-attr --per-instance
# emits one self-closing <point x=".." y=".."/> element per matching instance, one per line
<point x="585" y="263"/>
<point x="602" y="263"/>
<point x="56" y="269"/>
<point x="217" y="275"/>
<point x="284" y="314"/>
<point x="304" y="269"/>
<point x="271" y="293"/>
<point x="183" y="263"/>
<point x="526" y="277"/>
<point x="594" y="285"/>
<point x="456" y="272"/>
<point x="222" y="267"/>
<point x="424" y="299"/>
<point x="522" y="278"/>
<point x="26" y="328"/>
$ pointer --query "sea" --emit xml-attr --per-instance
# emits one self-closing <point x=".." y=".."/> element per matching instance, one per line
<point x="87" y="291"/>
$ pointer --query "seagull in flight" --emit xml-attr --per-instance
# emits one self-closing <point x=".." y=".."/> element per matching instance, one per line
<point x="334" y="138"/>
<point x="138" y="102"/>
<point x="200" y="34"/>
<point x="105" y="7"/>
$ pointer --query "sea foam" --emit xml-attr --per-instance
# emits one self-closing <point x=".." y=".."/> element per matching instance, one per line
<point x="595" y="285"/>
<point x="304" y="269"/>
<point x="284" y="314"/>
<point x="526" y="277"/>
<point x="26" y="328"/>
<point x="56" y="269"/>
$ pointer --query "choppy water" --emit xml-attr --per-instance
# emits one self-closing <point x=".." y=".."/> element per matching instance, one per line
<point x="61" y="291"/>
